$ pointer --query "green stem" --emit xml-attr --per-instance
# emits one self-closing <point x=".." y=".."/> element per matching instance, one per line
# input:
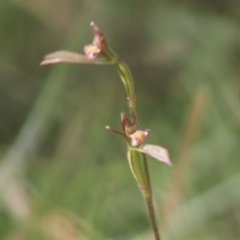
<point x="139" y="166"/>
<point x="132" y="109"/>
<point x="127" y="80"/>
<point x="149" y="200"/>
<point x="137" y="163"/>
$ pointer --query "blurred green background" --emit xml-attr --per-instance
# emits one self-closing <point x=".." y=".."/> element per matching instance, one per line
<point x="63" y="176"/>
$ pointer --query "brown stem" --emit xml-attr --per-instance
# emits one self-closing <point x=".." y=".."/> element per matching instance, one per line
<point x="148" y="197"/>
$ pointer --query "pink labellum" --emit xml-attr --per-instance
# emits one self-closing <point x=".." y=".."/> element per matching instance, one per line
<point x="157" y="152"/>
<point x="138" y="137"/>
<point x="91" y="51"/>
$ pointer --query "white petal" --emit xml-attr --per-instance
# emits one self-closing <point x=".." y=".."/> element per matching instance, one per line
<point x="157" y="152"/>
<point x="70" y="57"/>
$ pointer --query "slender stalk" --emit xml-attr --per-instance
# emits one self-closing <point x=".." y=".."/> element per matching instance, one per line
<point x="132" y="109"/>
<point x="149" y="200"/>
<point x="146" y="189"/>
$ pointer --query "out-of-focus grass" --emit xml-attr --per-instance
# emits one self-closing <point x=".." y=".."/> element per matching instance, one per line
<point x="57" y="158"/>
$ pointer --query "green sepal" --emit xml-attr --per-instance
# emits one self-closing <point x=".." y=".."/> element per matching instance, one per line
<point x="135" y="160"/>
<point x="126" y="77"/>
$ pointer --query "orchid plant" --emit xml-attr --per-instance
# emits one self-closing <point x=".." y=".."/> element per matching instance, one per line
<point x="98" y="52"/>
